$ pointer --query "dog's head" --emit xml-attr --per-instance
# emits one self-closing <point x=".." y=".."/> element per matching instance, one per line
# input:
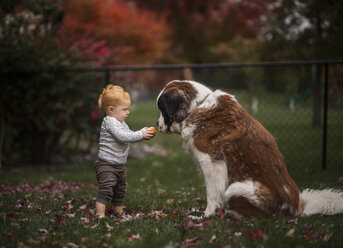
<point x="176" y="101"/>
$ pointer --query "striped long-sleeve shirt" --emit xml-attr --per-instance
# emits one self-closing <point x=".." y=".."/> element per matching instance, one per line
<point x="115" y="139"/>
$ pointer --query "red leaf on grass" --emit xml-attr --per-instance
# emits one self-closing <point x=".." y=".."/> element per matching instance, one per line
<point x="202" y="224"/>
<point x="85" y="240"/>
<point x="10" y="237"/>
<point x="59" y="219"/>
<point x="256" y="234"/>
<point x="11" y="214"/>
<point x="206" y="222"/>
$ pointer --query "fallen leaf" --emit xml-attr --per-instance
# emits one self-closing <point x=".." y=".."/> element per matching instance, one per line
<point x="213" y="239"/>
<point x="290" y="232"/>
<point x="327" y="237"/>
<point x="11" y="214"/>
<point x="202" y="224"/>
<point x="84" y="220"/>
<point x="256" y="234"/>
<point x="10" y="237"/>
<point x="85" y="240"/>
<point x="293" y="221"/>
<point x="93" y="227"/>
<point x="70" y="215"/>
<point x="109" y="228"/>
<point x="71" y="245"/>
<point x="133" y="237"/>
<point x="125" y="218"/>
<point x="59" y="219"/>
<point x="83" y="207"/>
<point x="67" y="207"/>
<point x="194" y="241"/>
<point x="43" y="230"/>
<point x="190" y="224"/>
<point x="17" y="206"/>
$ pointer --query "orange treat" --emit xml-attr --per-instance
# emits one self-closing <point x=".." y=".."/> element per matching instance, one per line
<point x="153" y="129"/>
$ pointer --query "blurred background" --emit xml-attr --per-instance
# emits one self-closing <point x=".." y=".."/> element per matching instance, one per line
<point x="57" y="55"/>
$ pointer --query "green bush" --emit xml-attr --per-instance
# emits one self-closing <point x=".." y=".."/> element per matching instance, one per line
<point x="43" y="112"/>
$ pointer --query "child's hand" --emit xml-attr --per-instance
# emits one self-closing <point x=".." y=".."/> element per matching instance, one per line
<point x="148" y="133"/>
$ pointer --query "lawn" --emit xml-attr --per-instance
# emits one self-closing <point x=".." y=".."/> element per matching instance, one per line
<point x="54" y="206"/>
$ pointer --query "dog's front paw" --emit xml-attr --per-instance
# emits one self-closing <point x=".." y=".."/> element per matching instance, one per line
<point x="208" y="212"/>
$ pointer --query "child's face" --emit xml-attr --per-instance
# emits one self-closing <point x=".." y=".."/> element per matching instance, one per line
<point x="121" y="111"/>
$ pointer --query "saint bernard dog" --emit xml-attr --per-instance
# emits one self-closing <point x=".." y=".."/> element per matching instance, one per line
<point x="240" y="161"/>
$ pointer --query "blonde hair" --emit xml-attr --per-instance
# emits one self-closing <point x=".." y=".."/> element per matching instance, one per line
<point x="111" y="96"/>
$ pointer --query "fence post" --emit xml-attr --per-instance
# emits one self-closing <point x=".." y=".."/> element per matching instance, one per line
<point x="107" y="76"/>
<point x="317" y="99"/>
<point x="325" y="117"/>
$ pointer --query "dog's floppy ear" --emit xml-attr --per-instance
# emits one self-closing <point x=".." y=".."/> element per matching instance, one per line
<point x="174" y="105"/>
<point x="178" y="107"/>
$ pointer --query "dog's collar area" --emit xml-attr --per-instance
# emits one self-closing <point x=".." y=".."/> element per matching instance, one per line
<point x="198" y="104"/>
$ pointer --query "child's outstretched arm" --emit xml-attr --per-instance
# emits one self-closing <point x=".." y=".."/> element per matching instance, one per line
<point x="122" y="134"/>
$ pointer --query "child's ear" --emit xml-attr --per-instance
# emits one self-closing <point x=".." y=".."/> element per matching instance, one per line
<point x="110" y="109"/>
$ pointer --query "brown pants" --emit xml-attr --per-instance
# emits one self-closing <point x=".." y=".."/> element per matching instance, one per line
<point x="112" y="182"/>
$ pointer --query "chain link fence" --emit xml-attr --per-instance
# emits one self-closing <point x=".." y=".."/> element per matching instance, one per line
<point x="300" y="103"/>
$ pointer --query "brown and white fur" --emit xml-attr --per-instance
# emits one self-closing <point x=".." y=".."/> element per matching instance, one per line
<point x="239" y="159"/>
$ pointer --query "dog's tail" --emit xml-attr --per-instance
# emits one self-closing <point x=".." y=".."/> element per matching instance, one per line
<point x="325" y="202"/>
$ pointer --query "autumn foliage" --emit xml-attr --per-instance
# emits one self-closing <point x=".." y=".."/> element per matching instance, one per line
<point x="131" y="36"/>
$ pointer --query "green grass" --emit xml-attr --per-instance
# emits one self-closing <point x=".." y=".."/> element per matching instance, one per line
<point x="58" y="210"/>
